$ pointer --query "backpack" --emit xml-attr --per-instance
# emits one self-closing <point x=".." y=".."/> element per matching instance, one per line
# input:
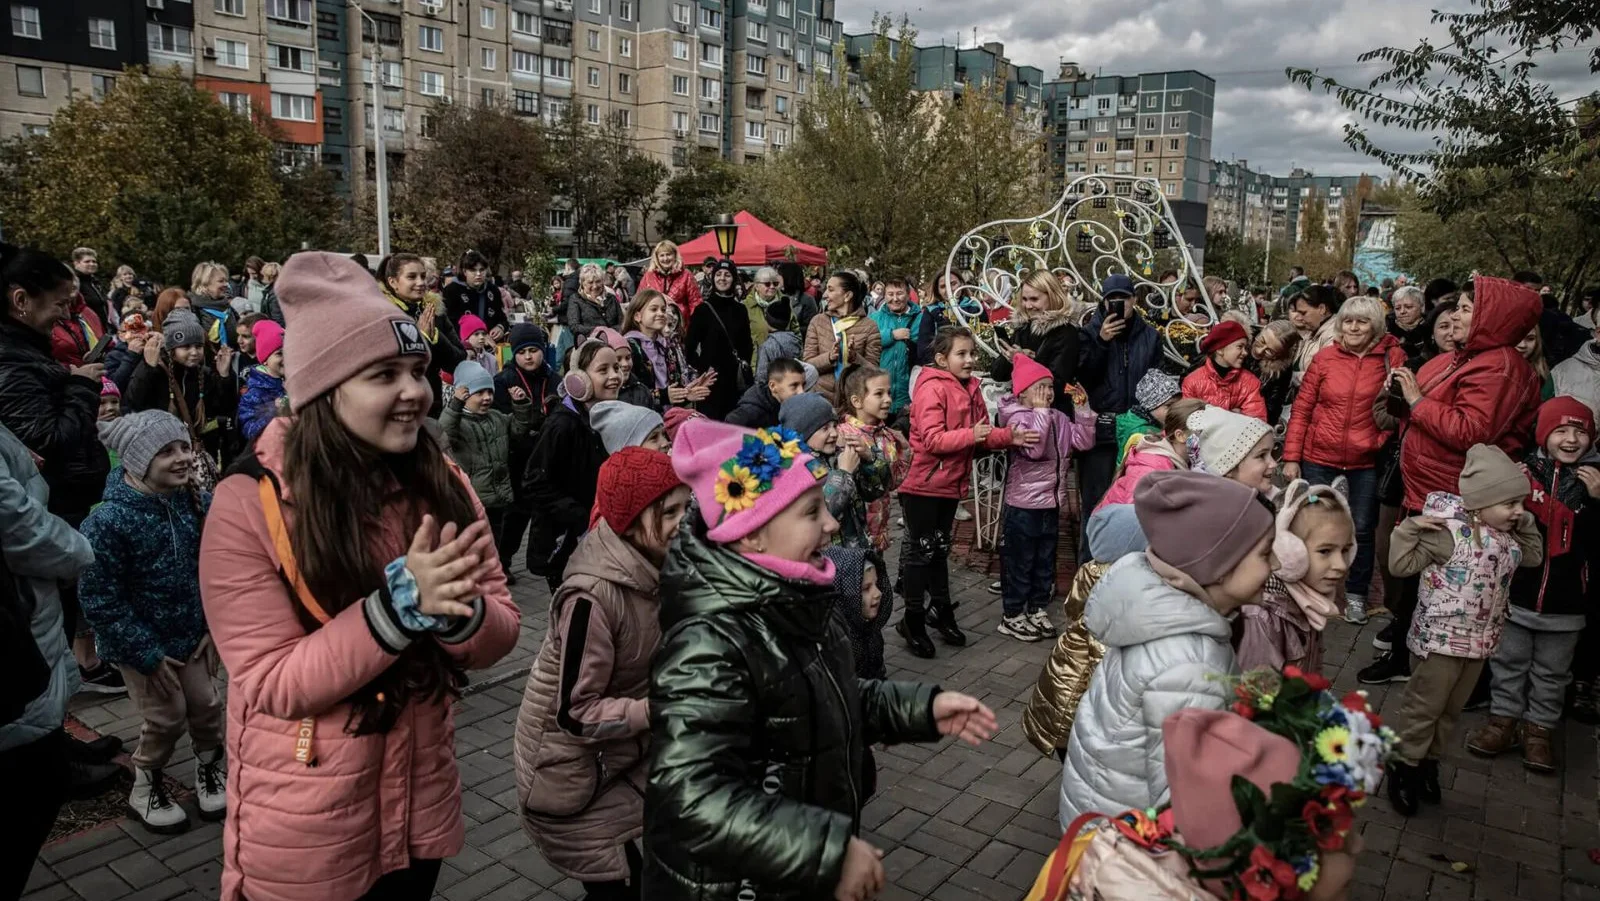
<point x="1117" y="859"/>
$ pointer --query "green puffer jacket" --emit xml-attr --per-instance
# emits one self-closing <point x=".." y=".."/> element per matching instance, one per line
<point x="758" y="729"/>
<point x="480" y="443"/>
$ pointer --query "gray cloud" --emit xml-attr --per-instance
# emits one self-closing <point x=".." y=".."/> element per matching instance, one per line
<point x="1244" y="44"/>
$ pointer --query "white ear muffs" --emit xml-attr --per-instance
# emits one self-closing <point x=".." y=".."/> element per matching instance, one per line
<point x="578" y="386"/>
<point x="1287" y="548"/>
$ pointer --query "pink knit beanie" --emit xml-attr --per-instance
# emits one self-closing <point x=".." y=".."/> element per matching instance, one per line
<point x="339" y="323"/>
<point x="269" y="338"/>
<point x="741" y="478"/>
<point x="471" y="324"/>
<point x="1027" y="372"/>
<point x="1205" y="751"/>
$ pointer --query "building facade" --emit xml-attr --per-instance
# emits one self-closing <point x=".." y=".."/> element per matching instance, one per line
<point x="1257" y="205"/>
<point x="947" y="72"/>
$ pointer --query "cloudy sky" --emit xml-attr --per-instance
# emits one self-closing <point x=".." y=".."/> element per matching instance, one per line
<point x="1244" y="44"/>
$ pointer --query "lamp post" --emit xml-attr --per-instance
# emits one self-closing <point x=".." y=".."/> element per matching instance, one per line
<point x="381" y="157"/>
<point x="727" y="233"/>
<point x="963" y="259"/>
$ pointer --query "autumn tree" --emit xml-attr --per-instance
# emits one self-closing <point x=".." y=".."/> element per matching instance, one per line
<point x="597" y="172"/>
<point x="702" y="188"/>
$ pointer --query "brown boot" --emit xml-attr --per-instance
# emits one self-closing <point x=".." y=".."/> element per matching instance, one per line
<point x="1537" y="754"/>
<point x="1498" y="735"/>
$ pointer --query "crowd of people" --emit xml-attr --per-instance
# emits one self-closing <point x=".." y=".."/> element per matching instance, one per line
<point x="316" y="479"/>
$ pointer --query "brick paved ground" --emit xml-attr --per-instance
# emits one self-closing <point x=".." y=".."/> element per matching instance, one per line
<point x="957" y="823"/>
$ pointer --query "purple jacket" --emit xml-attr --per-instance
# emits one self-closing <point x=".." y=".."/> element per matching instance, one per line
<point x="1036" y="477"/>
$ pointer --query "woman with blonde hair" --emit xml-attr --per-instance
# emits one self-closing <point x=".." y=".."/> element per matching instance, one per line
<point x="208" y="296"/>
<point x="666" y="274"/>
<point x="1531" y="347"/>
<point x="594" y="307"/>
<point x="1047" y="334"/>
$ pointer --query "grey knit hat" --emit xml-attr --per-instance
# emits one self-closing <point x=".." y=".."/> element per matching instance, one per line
<point x="805" y="413"/>
<point x="622" y="424"/>
<point x="182" y="329"/>
<point x="138" y="437"/>
<point x="1200" y="524"/>
<point x="1156" y="388"/>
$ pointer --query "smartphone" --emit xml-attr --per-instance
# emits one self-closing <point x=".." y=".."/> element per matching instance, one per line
<point x="1117" y="308"/>
<point x="99" y="351"/>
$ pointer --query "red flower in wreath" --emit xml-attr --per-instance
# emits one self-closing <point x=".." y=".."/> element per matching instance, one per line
<point x="1293" y="672"/>
<point x="1267" y="877"/>
<point x="1356" y="701"/>
<point x="1328" y="820"/>
<point x="1244" y="710"/>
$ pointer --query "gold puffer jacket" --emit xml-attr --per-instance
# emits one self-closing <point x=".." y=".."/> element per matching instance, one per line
<point x="1047" y="720"/>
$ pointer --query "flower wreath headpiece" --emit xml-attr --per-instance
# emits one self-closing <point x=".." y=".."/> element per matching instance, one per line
<point x="762" y="458"/>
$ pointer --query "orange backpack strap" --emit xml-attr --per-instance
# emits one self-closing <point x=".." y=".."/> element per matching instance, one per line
<point x="1063" y="862"/>
<point x="273" y="511"/>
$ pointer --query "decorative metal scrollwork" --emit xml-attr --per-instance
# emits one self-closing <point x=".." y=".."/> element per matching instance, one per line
<point x="1101" y="225"/>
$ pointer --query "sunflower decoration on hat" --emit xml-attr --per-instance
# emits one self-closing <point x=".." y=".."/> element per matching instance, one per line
<point x="762" y="457"/>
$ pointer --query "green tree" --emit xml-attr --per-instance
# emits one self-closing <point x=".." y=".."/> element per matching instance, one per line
<point x="159" y="175"/>
<point x="701" y="189"/>
<point x="989" y="165"/>
<point x="636" y="185"/>
<point x="480" y="184"/>
<point x="1244" y="262"/>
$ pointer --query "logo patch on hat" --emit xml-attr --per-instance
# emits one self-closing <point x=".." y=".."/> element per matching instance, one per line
<point x="409" y="337"/>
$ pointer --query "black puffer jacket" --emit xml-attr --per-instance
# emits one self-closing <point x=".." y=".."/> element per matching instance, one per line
<point x="758" y="730"/>
<point x="1053" y="339"/>
<point x="54" y="413"/>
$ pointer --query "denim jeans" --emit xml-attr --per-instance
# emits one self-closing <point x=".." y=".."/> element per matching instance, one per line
<point x="1363" y="509"/>
<point x="1028" y="556"/>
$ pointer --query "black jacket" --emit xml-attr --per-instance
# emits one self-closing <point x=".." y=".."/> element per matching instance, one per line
<point x="219" y="320"/>
<point x="94" y="296"/>
<point x="563" y="469"/>
<point x="1054" y="342"/>
<point x="1569" y="523"/>
<point x="720" y="345"/>
<point x="757" y="408"/>
<point x="149" y="388"/>
<point x="53" y="412"/>
<point x="120" y="362"/>
<point x="541" y="388"/>
<point x="483" y="302"/>
<point x="1416" y="342"/>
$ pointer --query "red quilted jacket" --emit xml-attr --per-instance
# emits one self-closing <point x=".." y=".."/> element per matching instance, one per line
<point x="1332" y="420"/>
<point x="1233" y="389"/>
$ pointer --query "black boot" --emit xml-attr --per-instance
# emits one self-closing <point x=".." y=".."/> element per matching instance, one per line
<point x="943" y="621"/>
<point x="102" y="750"/>
<point x="86" y="781"/>
<point x="912" y="630"/>
<point x="1403" y="785"/>
<point x="1428" y="782"/>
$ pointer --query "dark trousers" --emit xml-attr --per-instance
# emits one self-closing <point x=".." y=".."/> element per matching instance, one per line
<point x="1363" y="509"/>
<point x="1097" y="469"/>
<point x="36" y="795"/>
<point x="1404" y="609"/>
<point x="414" y="883"/>
<point x="512" y="528"/>
<point x="1028" y="575"/>
<point x="925" y="559"/>
<point x="620" y="889"/>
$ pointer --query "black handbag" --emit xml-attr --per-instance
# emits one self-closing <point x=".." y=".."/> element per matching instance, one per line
<point x="744" y="378"/>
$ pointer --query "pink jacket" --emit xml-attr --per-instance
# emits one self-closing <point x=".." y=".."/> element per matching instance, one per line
<point x="943" y="412"/>
<point x="1152" y="453"/>
<point x="370" y="803"/>
<point x="1036" y="477"/>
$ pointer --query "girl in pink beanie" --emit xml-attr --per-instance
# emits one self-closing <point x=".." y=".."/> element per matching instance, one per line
<point x="264" y="396"/>
<point x="481" y="347"/>
<point x="758" y="723"/>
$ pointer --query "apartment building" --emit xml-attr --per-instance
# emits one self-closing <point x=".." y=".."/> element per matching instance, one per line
<point x="946" y="72"/>
<point x="1256" y="204"/>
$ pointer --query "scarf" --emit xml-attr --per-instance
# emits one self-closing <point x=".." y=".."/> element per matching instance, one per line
<point x="1316" y="607"/>
<point x="840" y="326"/>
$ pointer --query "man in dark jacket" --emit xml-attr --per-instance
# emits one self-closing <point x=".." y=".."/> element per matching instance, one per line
<point x="86" y="265"/>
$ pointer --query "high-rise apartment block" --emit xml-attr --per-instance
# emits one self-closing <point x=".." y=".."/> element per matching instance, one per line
<point x="947" y="72"/>
<point x="1257" y="205"/>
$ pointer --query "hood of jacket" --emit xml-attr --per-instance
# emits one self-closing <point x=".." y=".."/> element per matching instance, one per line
<point x="703" y="578"/>
<point x="1501" y="319"/>
<point x="849" y="568"/>
<point x="1133" y="605"/>
<point x="945" y="380"/>
<point x="259" y="378"/>
<point x="1045" y="321"/>
<point x="1587" y="355"/>
<point x="607" y="556"/>
<point x="1444" y="505"/>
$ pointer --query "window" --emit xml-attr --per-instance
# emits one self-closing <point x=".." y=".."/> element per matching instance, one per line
<point x="1149" y="146"/>
<point x="625" y="10"/>
<point x="755" y="65"/>
<point x="486" y="16"/>
<point x="680" y="13"/>
<point x="230" y="7"/>
<point x="1099" y="168"/>
<point x="490" y="59"/>
<point x="755" y="31"/>
<point x="1149" y="168"/>
<point x="1125" y="122"/>
<point x="236" y="103"/>
<point x="388" y="30"/>
<point x="556" y="110"/>
<point x="432" y="84"/>
<point x="1123" y="167"/>
<point x="430" y="38"/>
<point x="1077" y="168"/>
<point x="1075" y="146"/>
<point x="25" y="21"/>
<point x="1103" y="104"/>
<point x="710" y="89"/>
<point x="298" y="59"/>
<point x="290" y="10"/>
<point x="1122" y="189"/>
<point x="234" y="54"/>
<point x="803" y="56"/>
<point x="785" y="40"/>
<point x="1075" y="103"/>
<point x="780" y="136"/>
<point x="394" y="74"/>
<point x="1172" y="188"/>
<point x="294" y="107"/>
<point x="526" y="24"/>
<point x="624" y="83"/>
<point x="395" y="120"/>
<point x="785" y="9"/>
<point x="594" y="77"/>
<point x="710" y="18"/>
<point x="594" y="6"/>
<point x="524" y="62"/>
<point x="1152" y="101"/>
<point x="782" y="104"/>
<point x="30" y="81"/>
<point x="1174" y="122"/>
<point x="1175" y="102"/>
<point x="824" y="29"/>
<point x="1124" y="144"/>
<point x="624" y="118"/>
<point x="709" y="123"/>
<point x="486" y="97"/>
<point x="800" y="84"/>
<point x="759" y="7"/>
<point x="680" y="85"/>
<point x="101" y="85"/>
<point x="1172" y="143"/>
<point x="103" y="34"/>
<point x="1100" y="147"/>
<point x="526" y="103"/>
<point x="1101" y="126"/>
<point x="558" y="68"/>
<point x="592" y="114"/>
<point x="1150" y="123"/>
<point x="711" y="55"/>
<point x="680" y="121"/>
<point x="594" y="39"/>
<point x="680" y="49"/>
<point x="625" y="47"/>
<point x="558" y="219"/>
<point x="166" y="39"/>
<point x="783" y="72"/>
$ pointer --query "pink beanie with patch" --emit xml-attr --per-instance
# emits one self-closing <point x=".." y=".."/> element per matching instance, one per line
<point x="741" y="478"/>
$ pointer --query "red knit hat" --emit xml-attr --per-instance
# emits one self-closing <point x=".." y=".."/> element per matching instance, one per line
<point x="1559" y="411"/>
<point x="631" y="480"/>
<point x="675" y="417"/>
<point x="1027" y="372"/>
<point x="1221" y="335"/>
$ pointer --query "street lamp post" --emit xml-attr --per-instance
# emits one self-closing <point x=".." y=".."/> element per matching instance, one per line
<point x="727" y="234"/>
<point x="381" y="155"/>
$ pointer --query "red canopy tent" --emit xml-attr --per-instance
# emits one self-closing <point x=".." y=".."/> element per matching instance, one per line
<point x="759" y="244"/>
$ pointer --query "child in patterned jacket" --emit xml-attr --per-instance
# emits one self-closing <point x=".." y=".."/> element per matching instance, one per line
<point x="868" y="399"/>
<point x="1466" y="549"/>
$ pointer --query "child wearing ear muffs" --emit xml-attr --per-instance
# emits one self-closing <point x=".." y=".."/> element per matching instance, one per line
<point x="564" y="465"/>
<point x="1314" y="545"/>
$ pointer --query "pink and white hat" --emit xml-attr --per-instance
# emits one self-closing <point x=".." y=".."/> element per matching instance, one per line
<point x="742" y="478"/>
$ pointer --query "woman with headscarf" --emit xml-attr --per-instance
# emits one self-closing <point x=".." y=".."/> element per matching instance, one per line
<point x="719" y="339"/>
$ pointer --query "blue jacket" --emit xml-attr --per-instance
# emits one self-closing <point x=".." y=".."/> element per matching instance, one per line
<point x="1110" y="372"/>
<point x="142" y="595"/>
<point x="259" y="402"/>
<point x="898" y="356"/>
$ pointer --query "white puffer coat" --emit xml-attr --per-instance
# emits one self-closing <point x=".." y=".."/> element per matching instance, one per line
<point x="1165" y="650"/>
<point x="1580" y="376"/>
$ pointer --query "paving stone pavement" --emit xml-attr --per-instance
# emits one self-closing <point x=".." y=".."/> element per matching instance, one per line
<point x="957" y="823"/>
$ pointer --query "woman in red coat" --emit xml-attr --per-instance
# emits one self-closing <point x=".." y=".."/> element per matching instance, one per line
<point x="667" y="275"/>
<point x="1331" y="430"/>
<point x="1483" y="393"/>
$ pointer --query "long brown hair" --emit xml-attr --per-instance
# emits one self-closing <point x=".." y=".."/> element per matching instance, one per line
<point x="166" y="301"/>
<point x="341" y="487"/>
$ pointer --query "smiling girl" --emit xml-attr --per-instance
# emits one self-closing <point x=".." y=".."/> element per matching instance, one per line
<point x="1313" y="549"/>
<point x="349" y="580"/>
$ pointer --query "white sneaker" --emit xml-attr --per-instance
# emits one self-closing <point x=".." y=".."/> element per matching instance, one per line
<point x="1042" y="624"/>
<point x="995" y="587"/>
<point x="211" y="784"/>
<point x="1019" y="627"/>
<point x="1355" y="610"/>
<point x="152" y="806"/>
<point x="963" y="514"/>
